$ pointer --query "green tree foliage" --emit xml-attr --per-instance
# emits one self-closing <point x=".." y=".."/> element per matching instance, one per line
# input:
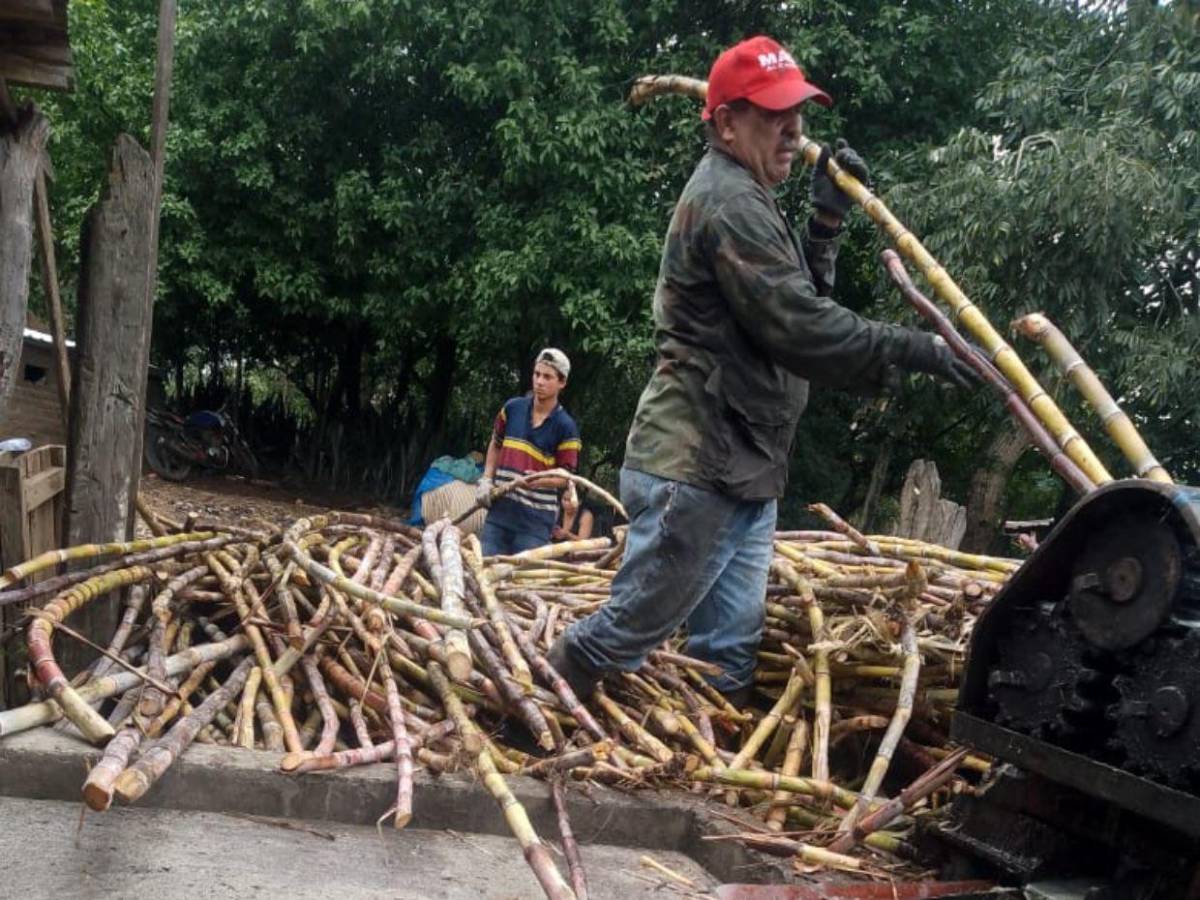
<point x="376" y="211"/>
<point x="1076" y="196"/>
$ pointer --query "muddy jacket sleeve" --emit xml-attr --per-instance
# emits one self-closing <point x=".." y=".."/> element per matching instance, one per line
<point x="773" y="297"/>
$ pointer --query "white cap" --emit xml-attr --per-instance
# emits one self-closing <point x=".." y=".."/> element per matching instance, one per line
<point x="554" y="357"/>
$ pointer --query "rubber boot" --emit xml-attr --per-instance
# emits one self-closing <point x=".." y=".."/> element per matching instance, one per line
<point x="581" y="677"/>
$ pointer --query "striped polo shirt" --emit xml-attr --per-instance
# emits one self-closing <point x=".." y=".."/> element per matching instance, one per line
<point x="524" y="449"/>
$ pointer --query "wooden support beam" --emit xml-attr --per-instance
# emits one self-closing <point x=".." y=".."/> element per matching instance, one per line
<point x="21" y="142"/>
<point x="163" y="69"/>
<point x="58" y="326"/>
<point x="41" y="204"/>
<point x="107" y="398"/>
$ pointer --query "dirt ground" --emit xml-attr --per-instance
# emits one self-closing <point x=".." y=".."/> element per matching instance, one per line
<point x="242" y="501"/>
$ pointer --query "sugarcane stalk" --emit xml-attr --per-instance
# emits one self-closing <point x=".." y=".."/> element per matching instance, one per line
<point x="44" y="712"/>
<point x="497" y="616"/>
<point x="172" y="707"/>
<point x="998" y="350"/>
<point x="154" y="760"/>
<point x="245" y="736"/>
<point x="793" y="761"/>
<point x="362" y="592"/>
<point x="468" y="732"/>
<point x="1036" y="327"/>
<point x="887" y="746"/>
<point x="631" y="729"/>
<point x="569" y="845"/>
<point x="524" y="707"/>
<point x="500" y="490"/>
<point x="536" y="855"/>
<point x="787" y="702"/>
<point x="403" y="751"/>
<point x="703" y="743"/>
<point x="52" y="558"/>
<point x="272" y="731"/>
<point x="841" y="526"/>
<point x="41" y="654"/>
<point x="133" y="608"/>
<point x="928" y="782"/>
<point x="1038" y="434"/>
<point x="98" y="788"/>
<point x="558" y="684"/>
<point x="279" y="700"/>
<point x="451" y="586"/>
<point x="688" y="662"/>
<point x="773" y="781"/>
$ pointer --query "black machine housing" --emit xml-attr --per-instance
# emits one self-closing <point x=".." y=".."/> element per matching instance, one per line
<point x="1084" y="674"/>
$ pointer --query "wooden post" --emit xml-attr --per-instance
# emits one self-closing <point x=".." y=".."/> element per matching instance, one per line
<point x="923" y="513"/>
<point x="164" y="66"/>
<point x="112" y="324"/>
<point x="21" y="143"/>
<point x="58" y="326"/>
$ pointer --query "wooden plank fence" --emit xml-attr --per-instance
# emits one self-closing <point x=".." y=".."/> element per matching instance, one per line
<point x="31" y="513"/>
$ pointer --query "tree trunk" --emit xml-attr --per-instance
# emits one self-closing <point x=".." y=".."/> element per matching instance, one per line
<point x="350" y="371"/>
<point x="108" y="396"/>
<point x="985" y="498"/>
<point x="20" y="155"/>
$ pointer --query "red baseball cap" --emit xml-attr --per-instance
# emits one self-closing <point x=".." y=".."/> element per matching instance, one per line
<point x="761" y="71"/>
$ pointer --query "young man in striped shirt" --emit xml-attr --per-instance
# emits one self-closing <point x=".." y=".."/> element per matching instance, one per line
<point x="531" y="434"/>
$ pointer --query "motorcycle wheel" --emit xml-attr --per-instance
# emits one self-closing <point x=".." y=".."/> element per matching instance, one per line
<point x="161" y="460"/>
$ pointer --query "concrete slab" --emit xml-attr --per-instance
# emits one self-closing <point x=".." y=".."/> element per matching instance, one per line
<point x="158" y="854"/>
<point x="46" y="765"/>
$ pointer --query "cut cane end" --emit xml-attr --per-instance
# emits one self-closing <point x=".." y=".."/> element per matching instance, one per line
<point x="97" y="798"/>
<point x="402" y="819"/>
<point x="458" y="665"/>
<point x="131" y="785"/>
<point x="293" y="761"/>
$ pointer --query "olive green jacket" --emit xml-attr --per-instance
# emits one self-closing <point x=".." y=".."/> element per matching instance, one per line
<point x="743" y="321"/>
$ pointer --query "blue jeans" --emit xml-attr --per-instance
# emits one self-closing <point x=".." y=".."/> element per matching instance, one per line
<point x="691" y="555"/>
<point x="497" y="539"/>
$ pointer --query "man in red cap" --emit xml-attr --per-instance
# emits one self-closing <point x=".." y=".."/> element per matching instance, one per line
<point x="743" y="322"/>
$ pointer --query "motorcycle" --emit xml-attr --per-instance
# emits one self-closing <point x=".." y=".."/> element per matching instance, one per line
<point x="175" y="446"/>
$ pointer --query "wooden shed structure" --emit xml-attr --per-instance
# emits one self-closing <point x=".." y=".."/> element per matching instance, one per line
<point x="34" y="50"/>
<point x="35" y="408"/>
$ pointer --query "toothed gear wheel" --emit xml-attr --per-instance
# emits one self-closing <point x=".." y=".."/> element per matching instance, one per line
<point x="1158" y="715"/>
<point x="1041" y="683"/>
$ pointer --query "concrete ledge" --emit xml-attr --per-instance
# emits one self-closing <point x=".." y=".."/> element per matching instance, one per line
<point x="47" y="765"/>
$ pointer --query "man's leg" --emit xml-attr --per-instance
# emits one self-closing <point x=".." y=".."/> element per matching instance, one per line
<point x="726" y="627"/>
<point x="495" y="538"/>
<point x="679" y="542"/>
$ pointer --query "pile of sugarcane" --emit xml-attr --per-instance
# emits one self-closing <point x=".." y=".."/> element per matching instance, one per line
<point x="350" y="639"/>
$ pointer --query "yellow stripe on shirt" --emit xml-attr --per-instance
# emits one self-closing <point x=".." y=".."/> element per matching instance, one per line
<point x="526" y="447"/>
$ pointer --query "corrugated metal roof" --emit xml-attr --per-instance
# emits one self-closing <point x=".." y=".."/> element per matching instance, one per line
<point x="32" y="334"/>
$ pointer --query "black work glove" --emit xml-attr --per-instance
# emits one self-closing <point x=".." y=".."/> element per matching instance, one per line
<point x="931" y="354"/>
<point x="827" y="196"/>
